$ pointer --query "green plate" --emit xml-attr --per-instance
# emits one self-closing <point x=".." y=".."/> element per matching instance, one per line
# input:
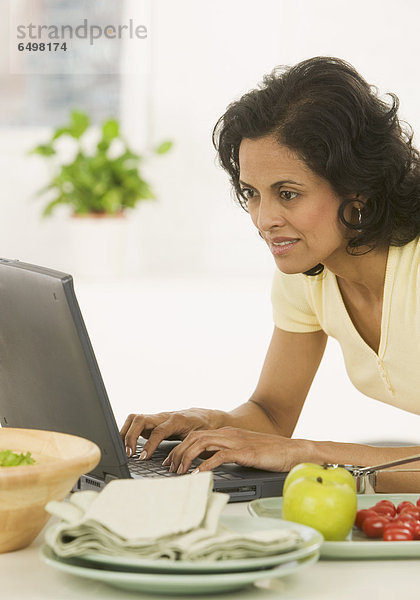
<point x="177" y="583"/>
<point x="358" y="545"/>
<point x="312" y="540"/>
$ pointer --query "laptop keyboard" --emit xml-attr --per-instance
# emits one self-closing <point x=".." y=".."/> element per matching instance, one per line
<point x="152" y="467"/>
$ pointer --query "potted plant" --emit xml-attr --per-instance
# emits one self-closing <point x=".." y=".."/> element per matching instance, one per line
<point x="97" y="178"/>
<point x="106" y="181"/>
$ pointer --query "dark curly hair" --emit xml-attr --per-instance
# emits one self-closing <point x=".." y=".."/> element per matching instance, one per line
<point x="325" y="112"/>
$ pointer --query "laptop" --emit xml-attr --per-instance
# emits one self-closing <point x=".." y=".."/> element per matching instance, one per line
<point x="50" y="379"/>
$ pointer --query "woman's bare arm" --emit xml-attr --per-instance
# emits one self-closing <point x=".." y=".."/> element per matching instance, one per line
<point x="289" y="368"/>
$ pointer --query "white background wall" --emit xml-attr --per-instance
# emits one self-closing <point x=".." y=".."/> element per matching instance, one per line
<point x="191" y="325"/>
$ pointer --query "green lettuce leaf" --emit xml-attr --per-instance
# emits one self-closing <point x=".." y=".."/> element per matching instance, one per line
<point x="11" y="459"/>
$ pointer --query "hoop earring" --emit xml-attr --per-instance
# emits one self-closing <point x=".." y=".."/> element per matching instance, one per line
<point x="360" y="221"/>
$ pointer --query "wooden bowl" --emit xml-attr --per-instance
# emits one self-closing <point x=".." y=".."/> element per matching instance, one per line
<point x="25" y="490"/>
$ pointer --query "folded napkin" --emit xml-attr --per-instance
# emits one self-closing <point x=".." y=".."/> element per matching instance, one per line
<point x="175" y="518"/>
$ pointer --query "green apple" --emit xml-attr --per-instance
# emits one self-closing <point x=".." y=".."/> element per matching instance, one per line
<point x="326" y="505"/>
<point x="328" y="473"/>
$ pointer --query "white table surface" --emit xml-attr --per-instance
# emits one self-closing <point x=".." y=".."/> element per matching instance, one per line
<point x="23" y="576"/>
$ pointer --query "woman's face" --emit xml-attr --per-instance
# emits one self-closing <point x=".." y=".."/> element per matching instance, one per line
<point x="295" y="210"/>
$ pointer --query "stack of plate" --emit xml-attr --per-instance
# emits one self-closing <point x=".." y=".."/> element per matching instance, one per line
<point x="195" y="577"/>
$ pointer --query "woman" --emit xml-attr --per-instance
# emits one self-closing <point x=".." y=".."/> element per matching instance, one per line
<point x="332" y="183"/>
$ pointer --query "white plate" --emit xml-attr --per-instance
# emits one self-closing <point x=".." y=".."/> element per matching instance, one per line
<point x="312" y="540"/>
<point x="358" y="545"/>
<point x="185" y="584"/>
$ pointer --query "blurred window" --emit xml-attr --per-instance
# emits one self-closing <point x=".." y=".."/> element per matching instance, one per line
<point x="37" y="99"/>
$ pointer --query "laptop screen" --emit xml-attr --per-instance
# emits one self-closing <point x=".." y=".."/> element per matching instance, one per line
<point x="49" y="377"/>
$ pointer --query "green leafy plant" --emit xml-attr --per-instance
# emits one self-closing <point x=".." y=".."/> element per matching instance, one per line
<point x="95" y="183"/>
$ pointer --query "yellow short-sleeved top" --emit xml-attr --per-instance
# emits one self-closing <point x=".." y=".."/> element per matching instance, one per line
<point x="304" y="304"/>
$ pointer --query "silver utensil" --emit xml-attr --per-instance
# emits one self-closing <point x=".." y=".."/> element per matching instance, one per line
<point x="365" y="477"/>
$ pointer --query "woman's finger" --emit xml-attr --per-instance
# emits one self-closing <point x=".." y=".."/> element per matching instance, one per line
<point x="227" y="455"/>
<point x="161" y="432"/>
<point x="126" y="425"/>
<point x="195" y="444"/>
<point x="133" y="432"/>
<point x="141" y="425"/>
<point x="173" y="426"/>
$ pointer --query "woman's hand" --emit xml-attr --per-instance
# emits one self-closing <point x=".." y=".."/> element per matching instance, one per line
<point x="230" y="444"/>
<point x="166" y="425"/>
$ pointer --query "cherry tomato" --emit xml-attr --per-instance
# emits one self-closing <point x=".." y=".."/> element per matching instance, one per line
<point x="362" y="514"/>
<point x="404" y="504"/>
<point x="414" y="511"/>
<point x="385" y="509"/>
<point x="417" y="532"/>
<point x="397" y="534"/>
<point x="418" y="502"/>
<point x="406" y="522"/>
<point x="386" y="503"/>
<point x="373" y="526"/>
